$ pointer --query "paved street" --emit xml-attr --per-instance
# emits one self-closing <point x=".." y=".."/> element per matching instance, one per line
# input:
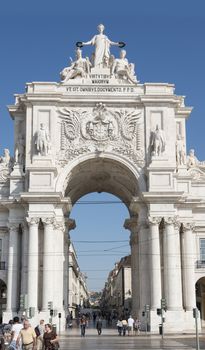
<point x="109" y="340"/>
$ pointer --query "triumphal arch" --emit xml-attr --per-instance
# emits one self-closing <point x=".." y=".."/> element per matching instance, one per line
<point x="100" y="129"/>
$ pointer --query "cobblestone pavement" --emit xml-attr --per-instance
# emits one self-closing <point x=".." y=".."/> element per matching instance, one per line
<point x="109" y="340"/>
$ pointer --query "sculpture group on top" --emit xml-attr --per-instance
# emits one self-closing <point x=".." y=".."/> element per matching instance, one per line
<point x="101" y="60"/>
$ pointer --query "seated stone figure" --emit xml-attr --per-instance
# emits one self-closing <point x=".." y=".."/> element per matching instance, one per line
<point x="122" y="69"/>
<point x="78" y="68"/>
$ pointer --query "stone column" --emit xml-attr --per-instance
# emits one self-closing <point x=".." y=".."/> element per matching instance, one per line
<point x="70" y="225"/>
<point x="59" y="265"/>
<point x="12" y="277"/>
<point x="144" y="263"/>
<point x="132" y="225"/>
<point x="48" y="262"/>
<point x="188" y="266"/>
<point x="172" y="264"/>
<point x="24" y="258"/>
<point x="155" y="263"/>
<point x="33" y="265"/>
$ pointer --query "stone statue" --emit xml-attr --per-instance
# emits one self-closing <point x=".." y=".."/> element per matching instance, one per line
<point x="102" y="48"/>
<point x="158" y="141"/>
<point x="6" y="164"/>
<point x="78" y="68"/>
<point x="180" y="151"/>
<point x="42" y="141"/>
<point x="19" y="151"/>
<point x="5" y="159"/>
<point x="192" y="160"/>
<point x="123" y="69"/>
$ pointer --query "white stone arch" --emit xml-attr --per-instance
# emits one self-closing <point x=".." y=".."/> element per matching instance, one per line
<point x="133" y="171"/>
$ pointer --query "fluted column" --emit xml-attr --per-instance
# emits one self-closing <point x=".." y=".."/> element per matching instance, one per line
<point x="33" y="265"/>
<point x="48" y="262"/>
<point x="172" y="256"/>
<point x="131" y="224"/>
<point x="59" y="264"/>
<point x="12" y="277"/>
<point x="70" y="225"/>
<point x="144" y="263"/>
<point x="155" y="262"/>
<point x="24" y="258"/>
<point x="188" y="266"/>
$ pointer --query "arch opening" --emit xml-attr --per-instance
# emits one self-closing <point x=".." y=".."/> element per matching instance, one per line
<point x="102" y="175"/>
<point x="100" y="244"/>
<point x="200" y="298"/>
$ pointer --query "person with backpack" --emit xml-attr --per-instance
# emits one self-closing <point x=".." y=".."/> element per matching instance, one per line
<point x="39" y="330"/>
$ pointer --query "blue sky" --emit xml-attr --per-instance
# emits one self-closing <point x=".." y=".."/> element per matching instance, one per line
<point x="165" y="39"/>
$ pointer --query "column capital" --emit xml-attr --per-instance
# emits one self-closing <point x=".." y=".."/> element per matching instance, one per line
<point x="70" y="224"/>
<point x="59" y="225"/>
<point x="154" y="220"/>
<point x="131" y="224"/>
<point x="172" y="220"/>
<point x="13" y="226"/>
<point x="32" y="220"/>
<point x="188" y="226"/>
<point x="49" y="221"/>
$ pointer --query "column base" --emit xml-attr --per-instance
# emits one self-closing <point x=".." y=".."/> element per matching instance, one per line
<point x="175" y="321"/>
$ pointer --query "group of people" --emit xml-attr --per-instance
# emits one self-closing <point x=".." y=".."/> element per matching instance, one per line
<point x="23" y="336"/>
<point x="128" y="326"/>
<point x="84" y="325"/>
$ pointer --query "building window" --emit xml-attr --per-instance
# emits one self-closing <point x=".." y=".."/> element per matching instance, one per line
<point x="202" y="249"/>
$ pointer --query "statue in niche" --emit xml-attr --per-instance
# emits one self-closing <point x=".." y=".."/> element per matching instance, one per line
<point x="123" y="69"/>
<point x="79" y="68"/>
<point x="102" y="47"/>
<point x="180" y="151"/>
<point x="42" y="141"/>
<point x="19" y="151"/>
<point x="158" y="142"/>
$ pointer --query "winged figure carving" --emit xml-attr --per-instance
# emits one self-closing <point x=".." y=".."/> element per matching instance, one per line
<point x="71" y="123"/>
<point x="129" y="120"/>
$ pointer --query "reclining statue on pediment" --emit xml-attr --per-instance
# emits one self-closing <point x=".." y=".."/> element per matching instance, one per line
<point x="193" y="162"/>
<point x="122" y="69"/>
<point x="78" y="69"/>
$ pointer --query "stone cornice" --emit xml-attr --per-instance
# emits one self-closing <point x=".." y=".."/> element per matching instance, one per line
<point x="162" y="197"/>
<point x="131" y="224"/>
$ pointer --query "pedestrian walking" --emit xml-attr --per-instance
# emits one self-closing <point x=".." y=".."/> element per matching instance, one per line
<point x="83" y="324"/>
<point x="99" y="325"/>
<point x="119" y="326"/>
<point x="130" y="322"/>
<point x="50" y="338"/>
<point x="136" y="326"/>
<point x="15" y="329"/>
<point x="39" y="330"/>
<point x="124" y="326"/>
<point x="27" y="335"/>
<point x="7" y="332"/>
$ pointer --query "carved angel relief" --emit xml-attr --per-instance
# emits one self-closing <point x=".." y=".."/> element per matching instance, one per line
<point x="101" y="129"/>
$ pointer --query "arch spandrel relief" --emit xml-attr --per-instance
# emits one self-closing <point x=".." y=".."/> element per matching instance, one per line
<point x="99" y="129"/>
